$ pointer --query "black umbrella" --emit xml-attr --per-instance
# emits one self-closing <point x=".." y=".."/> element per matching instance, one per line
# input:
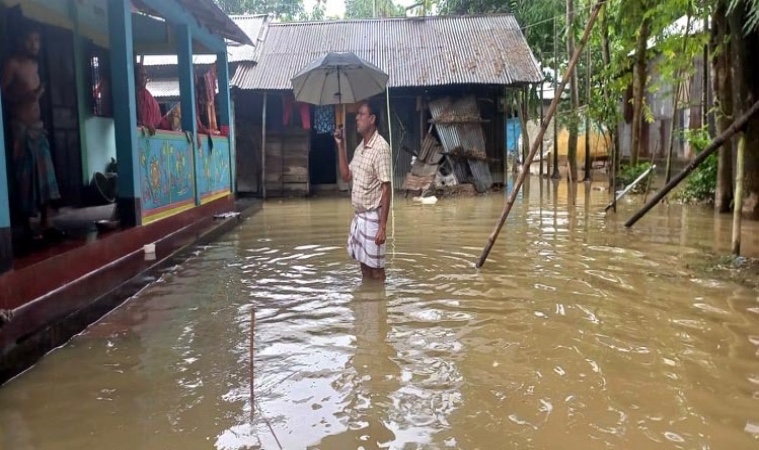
<point x="338" y="78"/>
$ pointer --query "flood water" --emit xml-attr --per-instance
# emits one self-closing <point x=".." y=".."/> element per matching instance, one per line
<point x="577" y="334"/>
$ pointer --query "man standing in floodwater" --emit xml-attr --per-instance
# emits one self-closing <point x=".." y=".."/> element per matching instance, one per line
<point x="369" y="171"/>
<point x="36" y="183"/>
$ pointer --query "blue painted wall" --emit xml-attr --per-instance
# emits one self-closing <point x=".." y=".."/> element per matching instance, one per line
<point x="165" y="168"/>
<point x="213" y="171"/>
<point x="513" y="131"/>
<point x="100" y="138"/>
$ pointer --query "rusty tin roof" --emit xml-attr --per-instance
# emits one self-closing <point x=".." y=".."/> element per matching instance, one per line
<point x="430" y="51"/>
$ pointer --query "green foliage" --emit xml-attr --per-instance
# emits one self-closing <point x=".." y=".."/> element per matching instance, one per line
<point x="280" y="9"/>
<point x="363" y="9"/>
<point x="628" y="174"/>
<point x="701" y="185"/>
<point x="534" y="16"/>
<point x="751" y="11"/>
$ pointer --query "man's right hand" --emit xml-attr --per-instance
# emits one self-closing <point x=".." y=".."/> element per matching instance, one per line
<point x="338" y="135"/>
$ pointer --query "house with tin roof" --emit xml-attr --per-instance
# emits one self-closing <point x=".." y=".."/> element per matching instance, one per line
<point x="439" y="66"/>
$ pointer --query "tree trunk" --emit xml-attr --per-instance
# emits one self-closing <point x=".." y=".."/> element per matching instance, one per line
<point x="722" y="80"/>
<point x="676" y="105"/>
<point x="639" y="89"/>
<point x="745" y="80"/>
<point x="739" y="181"/>
<point x="555" y="175"/>
<point x="588" y="162"/>
<point x="574" y="96"/>
<point x="613" y="128"/>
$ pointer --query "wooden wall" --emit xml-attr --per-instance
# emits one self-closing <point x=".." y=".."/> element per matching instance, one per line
<point x="286" y="171"/>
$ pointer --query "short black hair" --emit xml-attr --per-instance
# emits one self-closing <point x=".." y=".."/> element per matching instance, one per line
<point x="375" y="109"/>
<point x="27" y="30"/>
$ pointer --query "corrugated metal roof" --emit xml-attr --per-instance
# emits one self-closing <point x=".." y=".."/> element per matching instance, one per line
<point x="460" y="131"/>
<point x="171" y="60"/>
<point x="208" y="14"/>
<point x="458" y="125"/>
<point x="431" y="51"/>
<point x="163" y="88"/>
<point x="251" y="24"/>
<point x="168" y="88"/>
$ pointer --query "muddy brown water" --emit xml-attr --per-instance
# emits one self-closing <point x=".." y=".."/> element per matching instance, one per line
<point x="577" y="334"/>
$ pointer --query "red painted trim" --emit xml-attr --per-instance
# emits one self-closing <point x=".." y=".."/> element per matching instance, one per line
<point x="21" y="286"/>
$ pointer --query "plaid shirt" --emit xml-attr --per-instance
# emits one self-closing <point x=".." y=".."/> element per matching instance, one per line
<point x="370" y="167"/>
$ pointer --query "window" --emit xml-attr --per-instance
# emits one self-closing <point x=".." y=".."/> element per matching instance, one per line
<point x="99" y="81"/>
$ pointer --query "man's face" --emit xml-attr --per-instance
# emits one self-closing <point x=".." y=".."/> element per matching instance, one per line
<point x="32" y="44"/>
<point x="142" y="77"/>
<point x="364" y="119"/>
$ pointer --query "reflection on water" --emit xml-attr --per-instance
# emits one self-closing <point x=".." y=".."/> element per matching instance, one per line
<point x="577" y="333"/>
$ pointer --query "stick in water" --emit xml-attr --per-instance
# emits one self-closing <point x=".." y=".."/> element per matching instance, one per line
<point x="539" y="138"/>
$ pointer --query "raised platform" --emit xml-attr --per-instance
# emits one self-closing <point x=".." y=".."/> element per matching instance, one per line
<point x="54" y="298"/>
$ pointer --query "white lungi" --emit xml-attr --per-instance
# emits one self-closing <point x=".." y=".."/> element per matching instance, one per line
<point x="361" y="245"/>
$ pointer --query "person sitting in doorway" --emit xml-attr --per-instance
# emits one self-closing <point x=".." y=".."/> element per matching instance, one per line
<point x="148" y="111"/>
<point x="35" y="180"/>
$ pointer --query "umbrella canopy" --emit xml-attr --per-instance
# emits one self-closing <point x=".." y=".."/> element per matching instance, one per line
<point x="338" y="77"/>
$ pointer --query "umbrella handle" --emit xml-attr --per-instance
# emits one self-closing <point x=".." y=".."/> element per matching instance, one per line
<point x="341" y="119"/>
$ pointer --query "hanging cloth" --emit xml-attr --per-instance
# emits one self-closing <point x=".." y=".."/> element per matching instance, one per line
<point x="324" y="119"/>
<point x="289" y="103"/>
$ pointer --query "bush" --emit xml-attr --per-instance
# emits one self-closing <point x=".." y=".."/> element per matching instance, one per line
<point x="628" y="174"/>
<point x="701" y="185"/>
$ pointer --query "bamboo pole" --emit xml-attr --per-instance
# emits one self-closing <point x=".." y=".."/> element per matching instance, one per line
<point x="392" y="166"/>
<point x="551" y="111"/>
<point x="252" y="363"/>
<point x="713" y="146"/>
<point x="738" y="202"/>
<point x="263" y="150"/>
<point x="556" y="94"/>
<point x="542" y="153"/>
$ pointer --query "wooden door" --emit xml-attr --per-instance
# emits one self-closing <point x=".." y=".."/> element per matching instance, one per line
<point x="61" y="115"/>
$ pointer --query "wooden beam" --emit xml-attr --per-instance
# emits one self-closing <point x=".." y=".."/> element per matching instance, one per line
<point x="225" y="110"/>
<point x="6" y="245"/>
<point x="187" y="99"/>
<point x="125" y="115"/>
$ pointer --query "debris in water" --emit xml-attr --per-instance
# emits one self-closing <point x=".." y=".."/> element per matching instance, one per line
<point x="227" y="215"/>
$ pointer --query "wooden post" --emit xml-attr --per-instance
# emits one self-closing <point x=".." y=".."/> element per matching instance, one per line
<point x="541" y="141"/>
<point x="551" y="111"/>
<point x="738" y="203"/>
<point x="713" y="146"/>
<point x="225" y="112"/>
<point x="129" y="205"/>
<point x="523" y="122"/>
<point x="588" y="165"/>
<point x="556" y="95"/>
<point x="506" y="143"/>
<point x="6" y="242"/>
<point x="263" y="150"/>
<point x="187" y="99"/>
